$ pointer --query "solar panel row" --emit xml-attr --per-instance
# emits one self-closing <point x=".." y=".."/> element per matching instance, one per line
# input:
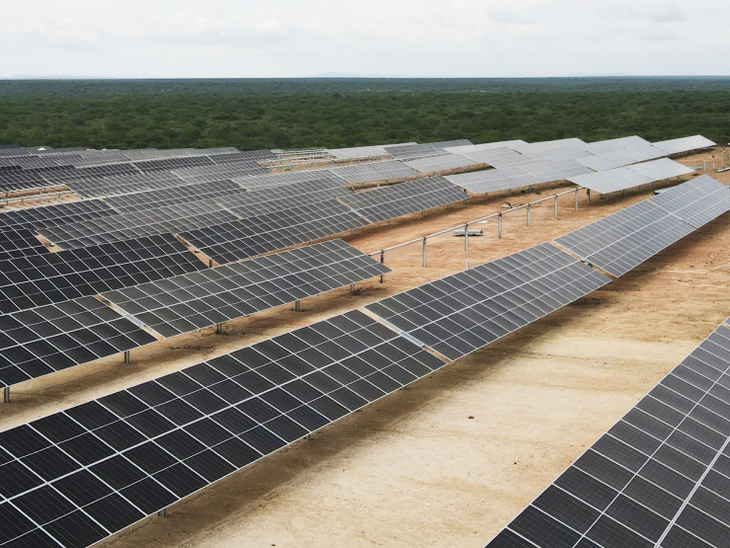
<point x="460" y="314"/>
<point x="78" y="476"/>
<point x="659" y="477"/>
<point x="193" y="301"/>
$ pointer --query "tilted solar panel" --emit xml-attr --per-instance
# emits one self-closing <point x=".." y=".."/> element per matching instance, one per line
<point x="228" y="242"/>
<point x="193" y="301"/>
<point x="55" y="277"/>
<point x="622" y="241"/>
<point x="460" y="314"/>
<point x="395" y="201"/>
<point x="658" y="478"/>
<point x="83" y="474"/>
<point x="50" y="338"/>
<point x="697" y="202"/>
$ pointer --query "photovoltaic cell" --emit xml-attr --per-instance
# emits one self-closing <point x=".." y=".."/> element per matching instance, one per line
<point x="684" y="144"/>
<point x="460" y="314"/>
<point x="193" y="301"/>
<point x="128" y="455"/>
<point x="622" y="241"/>
<point x="374" y="172"/>
<point x="659" y="477"/>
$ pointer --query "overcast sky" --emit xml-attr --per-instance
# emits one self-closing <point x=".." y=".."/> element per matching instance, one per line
<point x="425" y="38"/>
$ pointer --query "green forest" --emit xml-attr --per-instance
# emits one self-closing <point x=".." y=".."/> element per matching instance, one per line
<point x="338" y="112"/>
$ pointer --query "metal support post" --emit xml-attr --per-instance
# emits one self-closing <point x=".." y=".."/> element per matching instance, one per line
<point x="499" y="226"/>
<point x="466" y="237"/>
<point x="588" y="194"/>
<point x="529" y="215"/>
<point x="382" y="261"/>
<point x="162" y="513"/>
<point x="308" y="437"/>
<point x="486" y="196"/>
<point x="576" y="199"/>
<point x="297" y="306"/>
<point x="555" y="207"/>
<point x="352" y="289"/>
<point x="6" y="394"/>
<point x="219" y="329"/>
<point x="127" y="357"/>
<point x="352" y="232"/>
<point x="423" y="213"/>
<point x="424" y="252"/>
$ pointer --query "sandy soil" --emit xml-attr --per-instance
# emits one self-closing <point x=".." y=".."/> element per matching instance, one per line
<point x="453" y="458"/>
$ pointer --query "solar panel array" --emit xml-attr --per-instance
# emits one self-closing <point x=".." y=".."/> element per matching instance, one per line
<point x="622" y="241"/>
<point x="137" y="201"/>
<point x="50" y="338"/>
<point x="624" y="178"/>
<point x="374" y="172"/>
<point x="193" y="301"/>
<point x="684" y="144"/>
<point x="386" y="203"/>
<point x="137" y="224"/>
<point x="460" y="314"/>
<point x="696" y="202"/>
<point x="240" y="239"/>
<point x="440" y="164"/>
<point x="55" y="277"/>
<point x="493" y="180"/>
<point x="78" y="476"/>
<point x="659" y="477"/>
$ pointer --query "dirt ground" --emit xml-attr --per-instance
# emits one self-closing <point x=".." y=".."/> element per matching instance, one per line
<point x="450" y="460"/>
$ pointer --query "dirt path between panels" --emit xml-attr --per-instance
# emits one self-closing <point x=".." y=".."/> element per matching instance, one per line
<point x="453" y="458"/>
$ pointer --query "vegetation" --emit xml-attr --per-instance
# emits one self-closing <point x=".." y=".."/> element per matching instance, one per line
<point x="253" y="114"/>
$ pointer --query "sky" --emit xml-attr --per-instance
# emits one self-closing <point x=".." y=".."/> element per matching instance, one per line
<point x="426" y="38"/>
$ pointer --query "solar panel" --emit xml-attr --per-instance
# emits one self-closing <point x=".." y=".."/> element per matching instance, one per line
<point x="280" y="179"/>
<point x="658" y="477"/>
<point x="442" y="163"/>
<point x="684" y="144"/>
<point x="278" y="198"/>
<point x="466" y="150"/>
<point x="374" y="172"/>
<point x="660" y="170"/>
<point x="137" y="224"/>
<point x="556" y="170"/>
<point x="631" y="176"/>
<point x="622" y="241"/>
<point x="612" y="180"/>
<point x="50" y="338"/>
<point x="460" y="314"/>
<point x="138" y="201"/>
<point x="228" y="242"/>
<point x="500" y="157"/>
<point x="697" y="201"/>
<point x="109" y="186"/>
<point x="55" y="277"/>
<point x="355" y="153"/>
<point x="193" y="301"/>
<point x="83" y="474"/>
<point x="406" y="152"/>
<point x="390" y="202"/>
<point x="493" y="180"/>
<point x="606" y="160"/>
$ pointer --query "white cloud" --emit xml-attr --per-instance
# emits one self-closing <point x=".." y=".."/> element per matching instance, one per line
<point x="227" y="38"/>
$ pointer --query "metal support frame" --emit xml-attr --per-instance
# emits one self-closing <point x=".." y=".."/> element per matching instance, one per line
<point x="576" y="198"/>
<point x="298" y="306"/>
<point x="588" y="194"/>
<point x="127" y="357"/>
<point x="382" y="261"/>
<point x="425" y="240"/>
<point x="466" y="237"/>
<point x="555" y="208"/>
<point x="499" y="226"/>
<point x="162" y="513"/>
<point x="6" y="394"/>
<point x="529" y="214"/>
<point x="352" y="289"/>
<point x="219" y="329"/>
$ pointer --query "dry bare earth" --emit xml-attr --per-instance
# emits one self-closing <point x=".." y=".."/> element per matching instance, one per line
<point x="450" y="460"/>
